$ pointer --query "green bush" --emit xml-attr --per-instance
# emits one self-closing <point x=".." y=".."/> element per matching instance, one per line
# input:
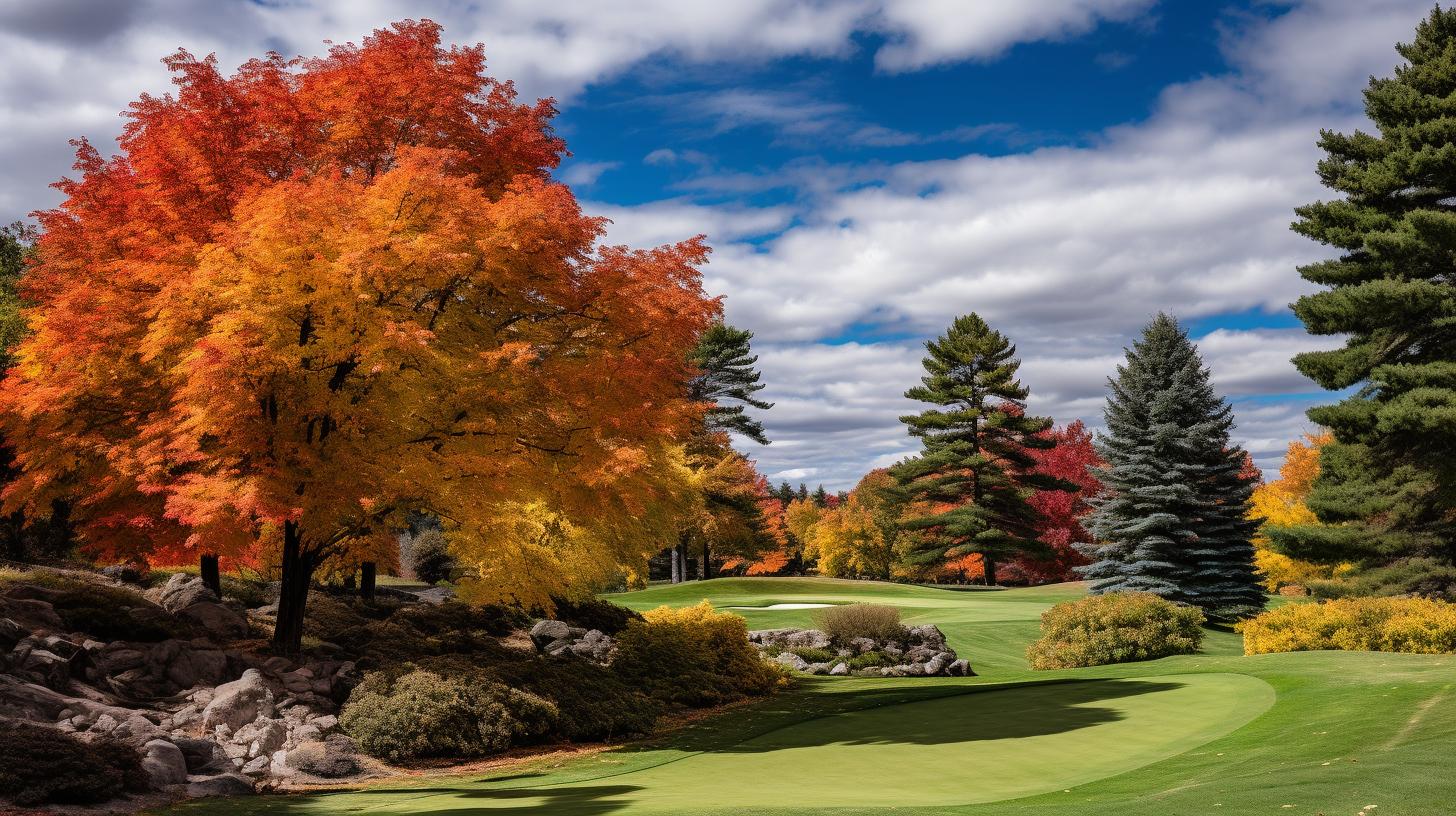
<point x="815" y="655"/>
<point x="1119" y="627"/>
<point x="693" y="657"/>
<point x="430" y="557"/>
<point x="418" y="714"/>
<point x="868" y="659"/>
<point x="1416" y="625"/>
<point x="42" y="765"/>
<point x="592" y="702"/>
<point x="594" y="614"/>
<point x="874" y="621"/>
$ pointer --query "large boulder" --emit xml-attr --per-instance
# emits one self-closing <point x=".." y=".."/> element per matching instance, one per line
<point x="548" y="632"/>
<point x="238" y="703"/>
<point x="200" y="755"/>
<point x="181" y="591"/>
<point x="164" y="763"/>
<point x="226" y="784"/>
<point x="216" y="620"/>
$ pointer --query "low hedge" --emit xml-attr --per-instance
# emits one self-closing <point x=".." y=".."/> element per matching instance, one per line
<point x="40" y="765"/>
<point x="1414" y="625"/>
<point x="693" y="656"/>
<point x="418" y="714"/>
<point x="1119" y="627"/>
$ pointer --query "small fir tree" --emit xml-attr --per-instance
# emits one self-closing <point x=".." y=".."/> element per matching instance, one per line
<point x="727" y="378"/>
<point x="968" y="491"/>
<point x="1172" y="520"/>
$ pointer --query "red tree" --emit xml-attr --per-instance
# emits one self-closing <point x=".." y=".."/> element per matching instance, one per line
<point x="1062" y="511"/>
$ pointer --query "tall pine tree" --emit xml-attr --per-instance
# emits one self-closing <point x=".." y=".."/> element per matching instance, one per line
<point x="727" y="379"/>
<point x="1171" y="520"/>
<point x="1386" y="491"/>
<point x="970" y="487"/>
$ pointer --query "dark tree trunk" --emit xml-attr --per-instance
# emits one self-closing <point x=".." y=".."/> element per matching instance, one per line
<point x="211" y="576"/>
<point x="366" y="580"/>
<point x="707" y="570"/>
<point x="990" y="565"/>
<point x="298" y="566"/>
<point x="350" y="582"/>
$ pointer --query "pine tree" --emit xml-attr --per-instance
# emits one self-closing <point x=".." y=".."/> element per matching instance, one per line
<point x="1386" y="491"/>
<point x="970" y="486"/>
<point x="821" y="496"/>
<point x="1172" y="519"/>
<point x="727" y="379"/>
<point x="803" y="494"/>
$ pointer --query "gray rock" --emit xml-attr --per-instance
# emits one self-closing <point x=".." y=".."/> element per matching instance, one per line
<point x="546" y="632"/>
<point x="817" y="668"/>
<point x="811" y="638"/>
<point x="164" y="763"/>
<point x="960" y="668"/>
<point x="181" y="591"/>
<point x="216" y="620"/>
<point x="325" y="723"/>
<point x="44" y="667"/>
<point x="137" y="731"/>
<point x="863" y="644"/>
<point x="224" y="784"/>
<point x="257" y="766"/>
<point x="239" y="702"/>
<point x="839" y="669"/>
<point x="200" y="754"/>
<point x="792" y="661"/>
<point x="11" y="633"/>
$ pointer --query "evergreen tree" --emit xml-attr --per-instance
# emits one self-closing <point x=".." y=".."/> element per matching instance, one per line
<point x="1386" y="491"/>
<point x="821" y="496"/>
<point x="785" y="493"/>
<point x="970" y="486"/>
<point x="803" y="494"/>
<point x="1171" y="520"/>
<point x="727" y="379"/>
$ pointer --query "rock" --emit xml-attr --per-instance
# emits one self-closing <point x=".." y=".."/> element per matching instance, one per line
<point x="304" y="733"/>
<point x="44" y="667"/>
<point x="839" y="669"/>
<point x="137" y="731"/>
<point x="960" y="668"/>
<point x="296" y="682"/>
<point x="125" y="573"/>
<point x="216" y="620"/>
<point x="239" y="702"/>
<point x="936" y="664"/>
<point x="181" y="591"/>
<point x="331" y="758"/>
<point x="263" y="736"/>
<point x="548" y="631"/>
<point x="811" y="638"/>
<point x="200" y="755"/>
<point x="863" y="644"/>
<point x="33" y="614"/>
<point x="224" y="784"/>
<point x="792" y="661"/>
<point x="325" y="723"/>
<point x="11" y="633"/>
<point x="257" y="766"/>
<point x="817" y="668"/>
<point x="164" y="763"/>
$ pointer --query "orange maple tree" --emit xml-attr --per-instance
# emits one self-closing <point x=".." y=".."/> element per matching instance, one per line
<point x="316" y="295"/>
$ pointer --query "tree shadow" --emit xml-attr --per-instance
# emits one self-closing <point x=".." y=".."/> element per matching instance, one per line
<point x="595" y="800"/>
<point x="1006" y="712"/>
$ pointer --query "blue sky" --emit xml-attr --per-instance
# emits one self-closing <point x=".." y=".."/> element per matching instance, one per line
<point x="867" y="169"/>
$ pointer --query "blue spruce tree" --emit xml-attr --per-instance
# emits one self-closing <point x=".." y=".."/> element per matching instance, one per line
<point x="1172" y="521"/>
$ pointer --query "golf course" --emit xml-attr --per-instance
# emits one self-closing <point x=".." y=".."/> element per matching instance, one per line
<point x="1217" y="732"/>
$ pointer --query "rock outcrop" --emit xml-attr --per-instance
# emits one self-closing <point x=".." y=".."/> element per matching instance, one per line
<point x="920" y="652"/>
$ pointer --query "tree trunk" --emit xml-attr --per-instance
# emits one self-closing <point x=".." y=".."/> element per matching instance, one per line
<point x="676" y="566"/>
<point x="366" y="581"/>
<point x="298" y="566"/>
<point x="211" y="577"/>
<point x="990" y="569"/>
<point x="350" y="582"/>
<point x="707" y="571"/>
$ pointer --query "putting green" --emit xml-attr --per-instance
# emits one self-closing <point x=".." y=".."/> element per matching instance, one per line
<point x="982" y="746"/>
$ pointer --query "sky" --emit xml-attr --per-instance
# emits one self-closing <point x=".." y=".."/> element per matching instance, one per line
<point x="866" y="170"/>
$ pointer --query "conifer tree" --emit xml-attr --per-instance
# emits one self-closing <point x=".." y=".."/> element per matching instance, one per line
<point x="969" y="489"/>
<point x="727" y="379"/>
<point x="1386" y="490"/>
<point x="1172" y="518"/>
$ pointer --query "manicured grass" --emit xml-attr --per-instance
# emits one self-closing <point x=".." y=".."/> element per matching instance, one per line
<point x="1322" y="732"/>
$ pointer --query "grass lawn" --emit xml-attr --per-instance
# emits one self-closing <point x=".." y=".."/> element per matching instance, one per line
<point x="1311" y="733"/>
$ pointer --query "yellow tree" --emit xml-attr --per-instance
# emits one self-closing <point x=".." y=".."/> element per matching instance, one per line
<point x="1282" y="502"/>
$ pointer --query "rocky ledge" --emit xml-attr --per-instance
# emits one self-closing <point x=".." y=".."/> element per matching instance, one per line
<point x="921" y="651"/>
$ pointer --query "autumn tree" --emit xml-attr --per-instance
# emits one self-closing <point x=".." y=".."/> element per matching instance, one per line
<point x="1060" y="513"/>
<point x="723" y="516"/>
<point x="1386" y="490"/>
<point x="1282" y="503"/>
<point x="970" y="490"/>
<point x="310" y="299"/>
<point x="859" y="535"/>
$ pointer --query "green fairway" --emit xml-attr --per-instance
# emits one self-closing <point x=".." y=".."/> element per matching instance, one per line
<point x="1324" y="732"/>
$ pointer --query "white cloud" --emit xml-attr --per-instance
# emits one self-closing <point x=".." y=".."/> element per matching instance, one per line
<point x="585" y="173"/>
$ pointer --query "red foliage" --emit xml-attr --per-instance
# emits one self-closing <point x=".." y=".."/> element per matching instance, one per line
<point x="1061" y="511"/>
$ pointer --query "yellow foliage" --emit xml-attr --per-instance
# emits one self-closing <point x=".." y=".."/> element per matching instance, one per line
<point x="1282" y="503"/>
<point x="1415" y="625"/>
<point x="800" y="517"/>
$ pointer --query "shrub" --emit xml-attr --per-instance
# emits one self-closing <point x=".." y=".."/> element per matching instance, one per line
<point x="595" y="614"/>
<point x="419" y="713"/>
<point x="1119" y="627"/>
<point x="1413" y="625"/>
<point x="42" y="765"/>
<point x="868" y="659"/>
<point x="430" y="557"/>
<point x="815" y="655"/>
<point x="874" y="621"/>
<point x="591" y="701"/>
<point x="693" y="656"/>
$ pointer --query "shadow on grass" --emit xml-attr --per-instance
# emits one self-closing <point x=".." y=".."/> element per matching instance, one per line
<point x="595" y="800"/>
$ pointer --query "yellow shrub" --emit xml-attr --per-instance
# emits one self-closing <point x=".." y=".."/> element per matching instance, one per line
<point x="1414" y="625"/>
<point x="694" y="656"/>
